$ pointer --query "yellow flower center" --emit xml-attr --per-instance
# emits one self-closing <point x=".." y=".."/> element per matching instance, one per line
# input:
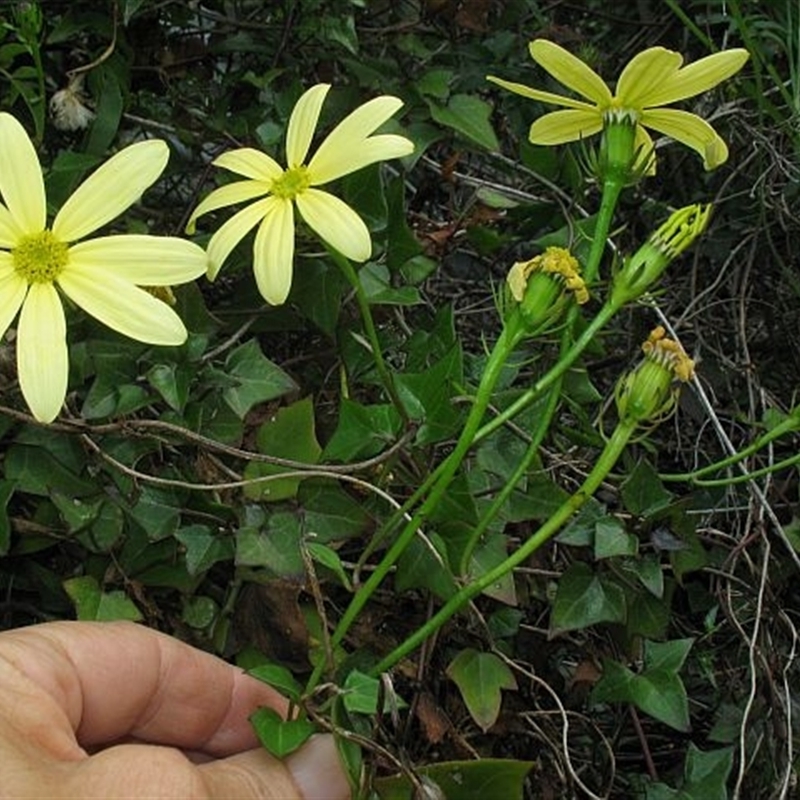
<point x="293" y="182"/>
<point x="40" y="257"/>
<point x="555" y="261"/>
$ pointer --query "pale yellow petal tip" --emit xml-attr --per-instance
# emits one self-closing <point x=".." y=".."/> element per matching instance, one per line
<point x="43" y="411"/>
<point x="716" y="154"/>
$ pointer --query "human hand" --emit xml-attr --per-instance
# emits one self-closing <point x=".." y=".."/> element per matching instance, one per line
<point x="116" y="710"/>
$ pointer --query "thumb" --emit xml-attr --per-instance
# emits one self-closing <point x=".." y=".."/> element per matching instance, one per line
<point x="252" y="775"/>
<point x="311" y="773"/>
<point x="317" y="771"/>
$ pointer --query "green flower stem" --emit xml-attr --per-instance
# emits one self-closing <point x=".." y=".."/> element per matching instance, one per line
<point x="372" y="333"/>
<point x="747" y="476"/>
<point x="791" y="423"/>
<point x="542" y="426"/>
<point x="564" y="363"/>
<point x="604" y="464"/>
<point x="612" y="188"/>
<point x="513" y="332"/>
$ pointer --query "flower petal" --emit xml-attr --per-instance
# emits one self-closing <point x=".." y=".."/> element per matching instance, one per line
<point x="273" y="254"/>
<point x="542" y="97"/>
<point x="111" y="189"/>
<point x="691" y="130"/>
<point x="42" y="362"/>
<point x="303" y="123"/>
<point x="645" y="152"/>
<point x="349" y="136"/>
<point x="698" y="77"/>
<point x="570" y="70"/>
<point x="643" y="75"/>
<point x="381" y="147"/>
<point x="21" y="181"/>
<point x="13" y="288"/>
<point x="227" y="195"/>
<point x="10" y="230"/>
<point x="122" y="306"/>
<point x="234" y="230"/>
<point x="559" y="127"/>
<point x="140" y="259"/>
<point x="250" y="163"/>
<point x="335" y="223"/>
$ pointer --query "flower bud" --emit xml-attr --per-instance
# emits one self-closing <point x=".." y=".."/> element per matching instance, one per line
<point x="541" y="282"/>
<point x="649" y="391"/>
<point x="647" y="264"/>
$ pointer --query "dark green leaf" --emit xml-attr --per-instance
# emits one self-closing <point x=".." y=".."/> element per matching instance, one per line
<point x="278" y="677"/>
<point x="480" y="678"/>
<point x="91" y="603"/>
<point x="642" y="491"/>
<point x="277" y="548"/>
<point x="362" y="431"/>
<point x="612" y="539"/>
<point x="290" y="434"/>
<point x="469" y="116"/>
<point x="486" y="779"/>
<point x="329" y="558"/>
<point x="204" y="547"/>
<point x="199" y="612"/>
<point x="257" y="379"/>
<point x="280" y="737"/>
<point x="423" y="566"/>
<point x="427" y="397"/>
<point x="584" y="599"/>
<point x="377" y="286"/>
<point x="361" y="693"/>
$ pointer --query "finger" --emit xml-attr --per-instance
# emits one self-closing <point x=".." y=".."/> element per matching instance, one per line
<point x="141" y="772"/>
<point x="118" y="679"/>
<point x="317" y="770"/>
<point x="254" y="774"/>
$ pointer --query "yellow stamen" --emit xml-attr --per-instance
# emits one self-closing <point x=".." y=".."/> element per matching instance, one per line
<point x="554" y="261"/>
<point x="293" y="181"/>
<point x="669" y="354"/>
<point x="40" y="257"/>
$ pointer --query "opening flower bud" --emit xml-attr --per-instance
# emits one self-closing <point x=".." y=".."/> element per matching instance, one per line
<point x="541" y="282"/>
<point x="663" y="246"/>
<point x="650" y="390"/>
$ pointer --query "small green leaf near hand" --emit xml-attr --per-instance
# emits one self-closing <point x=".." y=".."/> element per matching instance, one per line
<point x="480" y="678"/>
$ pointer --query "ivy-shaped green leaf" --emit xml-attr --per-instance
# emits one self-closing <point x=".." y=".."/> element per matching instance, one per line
<point x="584" y="599"/>
<point x="480" y="678"/>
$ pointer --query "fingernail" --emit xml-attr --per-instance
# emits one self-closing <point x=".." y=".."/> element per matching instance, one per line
<point x="317" y="771"/>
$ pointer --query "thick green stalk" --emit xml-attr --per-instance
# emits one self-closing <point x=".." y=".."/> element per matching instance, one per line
<point x="565" y="361"/>
<point x="612" y="188"/>
<point x="542" y="426"/>
<point x="604" y="464"/>
<point x="512" y="332"/>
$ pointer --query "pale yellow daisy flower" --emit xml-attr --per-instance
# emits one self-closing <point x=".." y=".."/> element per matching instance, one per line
<point x="349" y="147"/>
<point x="101" y="275"/>
<point x="651" y="80"/>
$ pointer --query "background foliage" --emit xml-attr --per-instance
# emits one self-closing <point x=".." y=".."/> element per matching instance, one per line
<point x="650" y="650"/>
